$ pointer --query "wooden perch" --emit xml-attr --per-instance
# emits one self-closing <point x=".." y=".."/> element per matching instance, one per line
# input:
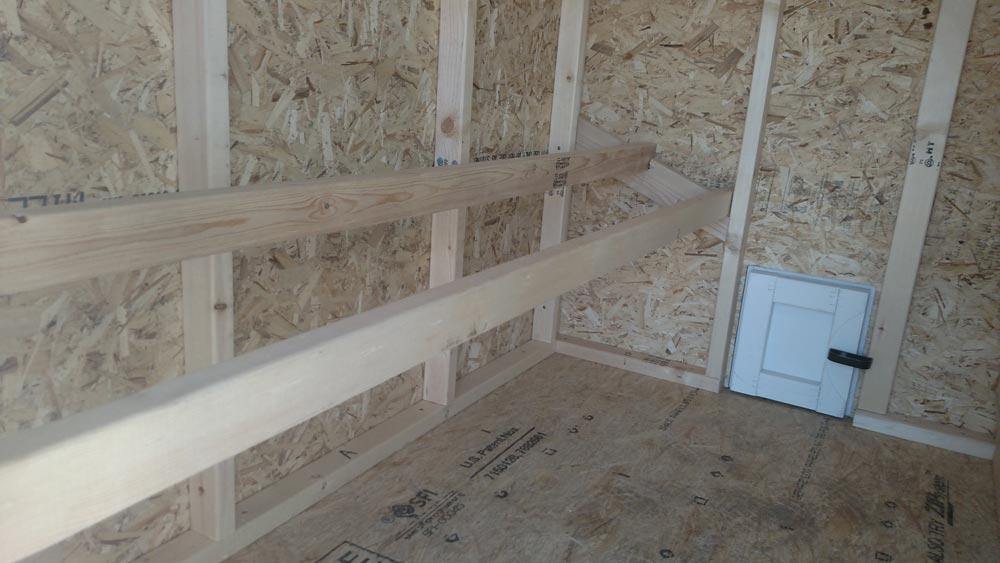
<point x="659" y="183"/>
<point x="60" y="478"/>
<point x="45" y="247"/>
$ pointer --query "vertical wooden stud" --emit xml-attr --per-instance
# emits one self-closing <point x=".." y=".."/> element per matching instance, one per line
<point x="456" y="48"/>
<point x="944" y="70"/>
<point x="567" y="92"/>
<point x="746" y="174"/>
<point x="202" y="87"/>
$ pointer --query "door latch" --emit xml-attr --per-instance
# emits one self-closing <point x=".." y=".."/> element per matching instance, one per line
<point x="856" y="361"/>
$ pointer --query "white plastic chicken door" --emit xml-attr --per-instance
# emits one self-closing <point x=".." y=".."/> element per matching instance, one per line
<point x="788" y="324"/>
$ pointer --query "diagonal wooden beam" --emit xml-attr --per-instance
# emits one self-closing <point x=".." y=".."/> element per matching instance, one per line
<point x="53" y="245"/>
<point x="660" y="183"/>
<point x="62" y="477"/>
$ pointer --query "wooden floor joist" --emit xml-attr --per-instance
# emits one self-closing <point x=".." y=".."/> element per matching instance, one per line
<point x="74" y="242"/>
<point x="59" y="478"/>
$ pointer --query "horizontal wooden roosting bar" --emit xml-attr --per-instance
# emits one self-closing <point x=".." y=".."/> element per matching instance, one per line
<point x="61" y="477"/>
<point x="49" y="246"/>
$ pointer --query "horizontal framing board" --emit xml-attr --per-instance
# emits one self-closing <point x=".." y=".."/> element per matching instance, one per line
<point x="49" y="246"/>
<point x="660" y="183"/>
<point x="636" y="362"/>
<point x="306" y="486"/>
<point x="273" y="506"/>
<point x="915" y="430"/>
<point x="61" y="477"/>
<point x="495" y="374"/>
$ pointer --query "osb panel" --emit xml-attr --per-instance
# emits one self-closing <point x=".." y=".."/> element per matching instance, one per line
<point x="844" y="99"/>
<point x="670" y="73"/>
<point x="661" y="304"/>
<point x="86" y="105"/>
<point x="320" y="89"/>
<point x="951" y="355"/>
<point x="577" y="462"/>
<point x="512" y="100"/>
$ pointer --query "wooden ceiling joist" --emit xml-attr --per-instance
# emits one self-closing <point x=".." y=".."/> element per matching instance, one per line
<point x="49" y="246"/>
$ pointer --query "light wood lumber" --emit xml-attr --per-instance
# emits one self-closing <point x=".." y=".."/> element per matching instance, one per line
<point x="201" y="68"/>
<point x="915" y="430"/>
<point x="61" y="477"/>
<point x="497" y="373"/>
<point x="271" y="507"/>
<point x="733" y="469"/>
<point x="275" y="505"/>
<point x="636" y="362"/>
<point x="456" y="48"/>
<point x="73" y="242"/>
<point x="746" y="174"/>
<point x="571" y="51"/>
<point x="660" y="183"/>
<point x="944" y="70"/>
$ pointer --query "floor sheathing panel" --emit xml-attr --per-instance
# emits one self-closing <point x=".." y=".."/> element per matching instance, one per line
<point x="574" y="461"/>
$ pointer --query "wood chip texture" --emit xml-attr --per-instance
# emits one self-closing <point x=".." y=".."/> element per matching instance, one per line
<point x="843" y="107"/>
<point x="87" y="112"/>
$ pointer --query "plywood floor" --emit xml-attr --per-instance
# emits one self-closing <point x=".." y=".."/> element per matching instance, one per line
<point x="579" y="462"/>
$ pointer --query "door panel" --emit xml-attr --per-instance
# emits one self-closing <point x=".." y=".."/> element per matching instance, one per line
<point x="788" y="323"/>
<point x="793" y="391"/>
<point x="797" y="341"/>
<point x="805" y="295"/>
<point x="847" y="329"/>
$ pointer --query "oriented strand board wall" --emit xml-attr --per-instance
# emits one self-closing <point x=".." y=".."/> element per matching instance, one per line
<point x="512" y="100"/>
<point x="324" y="89"/>
<point x="346" y="88"/>
<point x="844" y="99"/>
<point x="951" y="356"/>
<point x="316" y="89"/>
<point x="674" y="73"/>
<point x="87" y="111"/>
<point x="663" y="304"/>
